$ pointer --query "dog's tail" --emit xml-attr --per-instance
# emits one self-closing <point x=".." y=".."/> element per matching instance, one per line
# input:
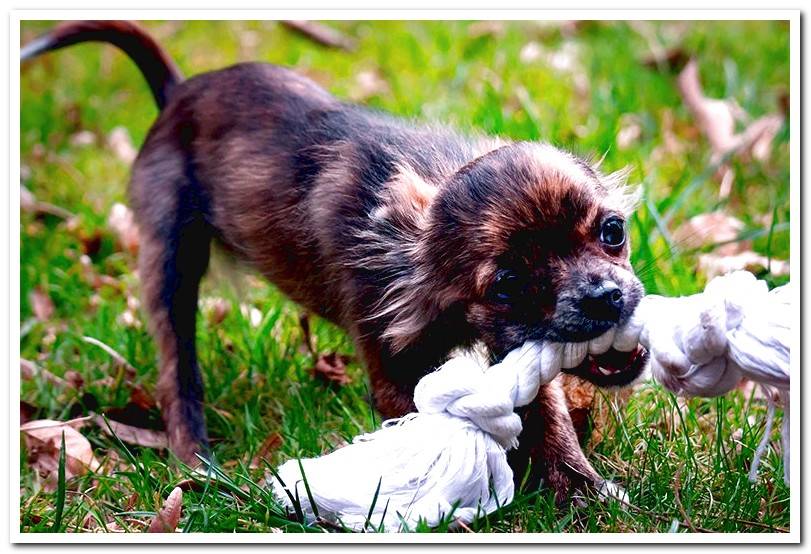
<point x="158" y="69"/>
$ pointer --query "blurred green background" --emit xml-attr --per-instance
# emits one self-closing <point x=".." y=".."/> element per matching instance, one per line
<point x="601" y="89"/>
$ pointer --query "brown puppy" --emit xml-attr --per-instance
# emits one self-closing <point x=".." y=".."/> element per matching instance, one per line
<point x="416" y="240"/>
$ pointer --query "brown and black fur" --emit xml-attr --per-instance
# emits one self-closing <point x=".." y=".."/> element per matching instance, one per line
<point x="394" y="231"/>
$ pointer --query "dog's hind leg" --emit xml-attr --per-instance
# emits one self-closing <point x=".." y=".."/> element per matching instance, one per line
<point x="175" y="241"/>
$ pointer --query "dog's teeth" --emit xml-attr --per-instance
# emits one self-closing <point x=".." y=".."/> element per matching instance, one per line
<point x="605" y="371"/>
<point x="627" y="337"/>
<point x="601" y="344"/>
<point x="573" y="354"/>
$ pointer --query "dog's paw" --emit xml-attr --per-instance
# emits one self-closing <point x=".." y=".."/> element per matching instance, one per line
<point x="608" y="491"/>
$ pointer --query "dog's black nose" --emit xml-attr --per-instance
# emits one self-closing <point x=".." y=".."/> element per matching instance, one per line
<point x="604" y="301"/>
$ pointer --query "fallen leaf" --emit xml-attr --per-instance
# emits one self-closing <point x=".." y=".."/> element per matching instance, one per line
<point x="579" y="395"/>
<point x="368" y="83"/>
<point x="249" y="41"/>
<point x="97" y="280"/>
<point x="43" y="440"/>
<point x="672" y="143"/>
<point x="30" y="204"/>
<point x="253" y="314"/>
<point x="133" y="435"/>
<point x="716" y="118"/>
<point x="74" y="379"/>
<point x="122" y="221"/>
<point x="486" y="29"/>
<point x="215" y="309"/>
<point x="41" y="304"/>
<point x="27" y="412"/>
<point x="712" y="228"/>
<point x="548" y="29"/>
<point x="671" y="59"/>
<point x="712" y="265"/>
<point x="82" y="138"/>
<point x="30" y="371"/>
<point x="630" y="131"/>
<point x="566" y="58"/>
<point x="752" y="389"/>
<point x="266" y="449"/>
<point x="166" y="520"/>
<point x="141" y="398"/>
<point x="120" y="143"/>
<point x="128" y="319"/>
<point x="331" y="368"/>
<point x="321" y="34"/>
<point x="530" y="52"/>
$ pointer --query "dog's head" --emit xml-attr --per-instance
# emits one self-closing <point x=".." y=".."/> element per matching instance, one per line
<point x="533" y="244"/>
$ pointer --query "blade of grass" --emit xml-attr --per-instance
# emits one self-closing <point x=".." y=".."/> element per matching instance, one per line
<point x="60" y="488"/>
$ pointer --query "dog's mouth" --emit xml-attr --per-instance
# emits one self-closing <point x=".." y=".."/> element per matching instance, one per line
<point x="612" y="368"/>
<point x="606" y="363"/>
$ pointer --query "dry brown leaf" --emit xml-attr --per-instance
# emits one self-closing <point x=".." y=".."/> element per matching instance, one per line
<point x="41" y="304"/>
<point x="82" y="138"/>
<point x="140" y="397"/>
<point x="30" y="371"/>
<point x="332" y="368"/>
<point x="486" y="29"/>
<point x="712" y="228"/>
<point x="74" y="379"/>
<point x="128" y="319"/>
<point x="751" y="389"/>
<point x="321" y="34"/>
<point x="97" y="280"/>
<point x="252" y="314"/>
<point x="120" y="143"/>
<point x="713" y="265"/>
<point x="368" y="83"/>
<point x="166" y="520"/>
<point x="548" y="29"/>
<point x="249" y="41"/>
<point x="43" y="440"/>
<point x="530" y="52"/>
<point x="266" y="450"/>
<point x="630" y="131"/>
<point x="670" y="59"/>
<point x="27" y="412"/>
<point x="30" y="204"/>
<point x="716" y="118"/>
<point x="590" y="410"/>
<point x="215" y="309"/>
<point x="133" y="435"/>
<point x="122" y="221"/>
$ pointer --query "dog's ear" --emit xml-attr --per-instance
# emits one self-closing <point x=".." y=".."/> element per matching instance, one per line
<point x="395" y="247"/>
<point x="405" y="200"/>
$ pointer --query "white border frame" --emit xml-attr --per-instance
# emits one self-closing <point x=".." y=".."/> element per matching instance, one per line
<point x="793" y="16"/>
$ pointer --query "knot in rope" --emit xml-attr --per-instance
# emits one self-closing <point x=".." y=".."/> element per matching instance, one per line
<point x="466" y="388"/>
<point x="702" y="345"/>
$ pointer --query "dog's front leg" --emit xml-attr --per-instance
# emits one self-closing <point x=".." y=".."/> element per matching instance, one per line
<point x="549" y="449"/>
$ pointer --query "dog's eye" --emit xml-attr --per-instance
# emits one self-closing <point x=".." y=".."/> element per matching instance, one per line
<point x="506" y="286"/>
<point x="612" y="232"/>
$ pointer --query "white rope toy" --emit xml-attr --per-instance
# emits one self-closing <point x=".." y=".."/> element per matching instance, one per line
<point x="450" y="456"/>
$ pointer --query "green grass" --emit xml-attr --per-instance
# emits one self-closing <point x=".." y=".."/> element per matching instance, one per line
<point x="682" y="468"/>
